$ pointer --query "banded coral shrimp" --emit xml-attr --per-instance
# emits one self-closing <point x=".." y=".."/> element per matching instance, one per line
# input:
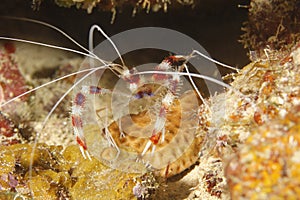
<point x="110" y="146"/>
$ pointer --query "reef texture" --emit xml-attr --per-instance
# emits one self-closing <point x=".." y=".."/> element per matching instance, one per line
<point x="12" y="84"/>
<point x="63" y="174"/>
<point x="266" y="165"/>
<point x="25" y="116"/>
<point x="257" y="139"/>
<point x="271" y="24"/>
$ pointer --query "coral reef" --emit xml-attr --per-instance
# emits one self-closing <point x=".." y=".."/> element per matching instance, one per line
<point x="273" y="23"/>
<point x="9" y="133"/>
<point x="256" y="136"/>
<point x="247" y="147"/>
<point x="25" y="115"/>
<point x="266" y="164"/>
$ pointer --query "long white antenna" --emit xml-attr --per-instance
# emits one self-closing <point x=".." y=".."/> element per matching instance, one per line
<point x="53" y="46"/>
<point x="50" y="82"/>
<point x="190" y="74"/>
<point x="104" y="34"/>
<point x="60" y="31"/>
<point x="195" y="87"/>
<point x="214" y="61"/>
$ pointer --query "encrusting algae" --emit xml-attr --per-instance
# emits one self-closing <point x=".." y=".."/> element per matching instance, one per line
<point x="267" y="166"/>
<point x="62" y="174"/>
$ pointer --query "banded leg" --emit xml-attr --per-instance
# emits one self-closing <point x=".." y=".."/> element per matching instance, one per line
<point x="76" y="115"/>
<point x="158" y="133"/>
<point x="172" y="83"/>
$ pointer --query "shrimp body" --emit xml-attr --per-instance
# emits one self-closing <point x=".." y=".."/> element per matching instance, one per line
<point x="143" y="127"/>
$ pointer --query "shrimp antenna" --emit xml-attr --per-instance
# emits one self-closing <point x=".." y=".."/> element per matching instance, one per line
<point x="213" y="60"/>
<point x="54" y="47"/>
<point x="195" y="87"/>
<point x="63" y="33"/>
<point x="50" y="82"/>
<point x="106" y="36"/>
<point x="194" y="75"/>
